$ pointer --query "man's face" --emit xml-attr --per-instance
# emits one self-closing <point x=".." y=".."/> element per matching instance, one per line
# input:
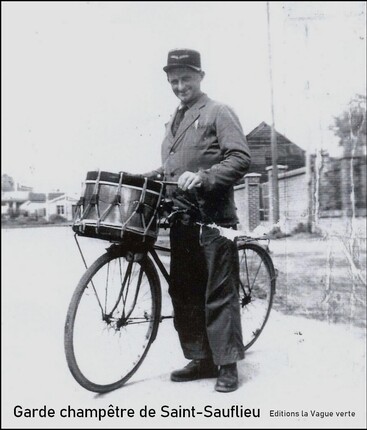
<point x="185" y="83"/>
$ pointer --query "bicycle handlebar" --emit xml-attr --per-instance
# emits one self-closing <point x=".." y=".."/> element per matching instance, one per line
<point x="168" y="183"/>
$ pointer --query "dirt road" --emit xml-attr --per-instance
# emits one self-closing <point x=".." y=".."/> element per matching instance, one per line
<point x="298" y="366"/>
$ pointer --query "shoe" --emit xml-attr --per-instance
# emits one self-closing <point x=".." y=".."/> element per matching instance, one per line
<point x="196" y="369"/>
<point x="228" y="378"/>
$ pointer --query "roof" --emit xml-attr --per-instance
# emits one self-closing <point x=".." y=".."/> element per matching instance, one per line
<point x="288" y="153"/>
<point x="66" y="197"/>
<point x="15" y="196"/>
<point x="37" y="197"/>
<point x="261" y="135"/>
<point x="52" y="196"/>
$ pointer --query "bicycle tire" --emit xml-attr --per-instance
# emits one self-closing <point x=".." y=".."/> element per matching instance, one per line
<point x="255" y="300"/>
<point x="86" y="287"/>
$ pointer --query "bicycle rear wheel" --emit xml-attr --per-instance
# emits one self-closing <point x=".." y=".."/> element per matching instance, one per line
<point x="257" y="289"/>
<point x="112" y="320"/>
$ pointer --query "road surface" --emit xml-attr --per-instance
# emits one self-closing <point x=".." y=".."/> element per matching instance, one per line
<point x="297" y="367"/>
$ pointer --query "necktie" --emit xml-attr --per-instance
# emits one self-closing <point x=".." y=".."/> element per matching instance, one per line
<point x="178" y="118"/>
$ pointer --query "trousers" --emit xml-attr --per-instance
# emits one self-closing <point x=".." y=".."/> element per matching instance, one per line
<point x="204" y="291"/>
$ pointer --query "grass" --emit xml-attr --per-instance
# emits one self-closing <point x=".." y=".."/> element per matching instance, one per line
<point x="317" y="279"/>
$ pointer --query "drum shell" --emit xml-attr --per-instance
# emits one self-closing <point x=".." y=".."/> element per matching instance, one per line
<point x="119" y="210"/>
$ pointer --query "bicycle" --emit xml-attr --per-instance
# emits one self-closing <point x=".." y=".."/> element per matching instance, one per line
<point x="115" y="311"/>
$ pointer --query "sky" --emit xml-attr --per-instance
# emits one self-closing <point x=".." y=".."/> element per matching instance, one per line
<point x="83" y="86"/>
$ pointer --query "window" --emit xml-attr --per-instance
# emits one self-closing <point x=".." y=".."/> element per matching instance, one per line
<point x="60" y="210"/>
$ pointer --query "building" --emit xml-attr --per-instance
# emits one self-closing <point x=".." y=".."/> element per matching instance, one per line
<point x="11" y="202"/>
<point x="63" y="205"/>
<point x="38" y="205"/>
<point x="259" y="141"/>
<point x="34" y="206"/>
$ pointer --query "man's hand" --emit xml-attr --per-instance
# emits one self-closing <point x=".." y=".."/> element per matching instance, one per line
<point x="189" y="180"/>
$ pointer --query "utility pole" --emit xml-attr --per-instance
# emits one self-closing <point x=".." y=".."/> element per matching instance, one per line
<point x="274" y="149"/>
<point x="303" y="15"/>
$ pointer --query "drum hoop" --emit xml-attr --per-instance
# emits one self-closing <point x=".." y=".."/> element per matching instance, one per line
<point x="123" y="185"/>
<point x="93" y="223"/>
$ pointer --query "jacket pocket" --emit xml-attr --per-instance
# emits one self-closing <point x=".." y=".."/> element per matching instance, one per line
<point x="203" y="135"/>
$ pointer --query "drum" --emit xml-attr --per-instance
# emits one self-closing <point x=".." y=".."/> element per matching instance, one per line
<point x="118" y="207"/>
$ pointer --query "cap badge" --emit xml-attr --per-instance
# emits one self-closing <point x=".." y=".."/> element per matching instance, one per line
<point x="179" y="57"/>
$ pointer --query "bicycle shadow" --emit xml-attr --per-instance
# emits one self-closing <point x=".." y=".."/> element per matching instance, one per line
<point x="247" y="370"/>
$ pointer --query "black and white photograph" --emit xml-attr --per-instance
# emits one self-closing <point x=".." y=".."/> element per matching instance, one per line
<point x="183" y="214"/>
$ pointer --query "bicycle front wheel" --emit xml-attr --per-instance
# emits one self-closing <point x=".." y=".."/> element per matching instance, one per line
<point x="257" y="289"/>
<point x="112" y="320"/>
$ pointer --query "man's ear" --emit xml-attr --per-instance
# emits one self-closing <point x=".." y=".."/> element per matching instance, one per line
<point x="202" y="74"/>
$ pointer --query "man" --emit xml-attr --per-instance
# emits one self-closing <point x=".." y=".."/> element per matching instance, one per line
<point x="206" y="152"/>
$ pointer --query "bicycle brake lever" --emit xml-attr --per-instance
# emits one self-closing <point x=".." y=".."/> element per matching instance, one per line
<point x="178" y="211"/>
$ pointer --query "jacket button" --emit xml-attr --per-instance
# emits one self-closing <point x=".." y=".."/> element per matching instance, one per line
<point x="172" y="174"/>
<point x="171" y="153"/>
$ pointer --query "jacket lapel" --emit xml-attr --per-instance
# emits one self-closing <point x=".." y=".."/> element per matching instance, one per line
<point x="190" y="117"/>
<point x="169" y="134"/>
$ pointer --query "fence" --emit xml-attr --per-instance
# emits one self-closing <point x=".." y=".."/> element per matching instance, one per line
<point x="327" y="188"/>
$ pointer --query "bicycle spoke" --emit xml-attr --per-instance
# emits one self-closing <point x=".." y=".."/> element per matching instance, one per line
<point x="256" y="291"/>
<point x="106" y="289"/>
<point x="247" y="271"/>
<point x="106" y="352"/>
<point x="96" y="295"/>
<point x="103" y="353"/>
<point x="250" y="285"/>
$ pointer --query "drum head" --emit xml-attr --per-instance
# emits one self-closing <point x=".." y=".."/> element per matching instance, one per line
<point x="127" y="179"/>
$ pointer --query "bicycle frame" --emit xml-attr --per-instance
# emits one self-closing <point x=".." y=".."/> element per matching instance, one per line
<point x="158" y="261"/>
<point x="133" y="314"/>
<point x="153" y="252"/>
<point x="119" y="300"/>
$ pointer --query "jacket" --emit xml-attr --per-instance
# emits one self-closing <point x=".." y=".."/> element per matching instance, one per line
<point x="210" y="142"/>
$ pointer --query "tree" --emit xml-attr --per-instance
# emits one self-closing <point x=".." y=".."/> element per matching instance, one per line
<point x="351" y="127"/>
<point x="7" y="183"/>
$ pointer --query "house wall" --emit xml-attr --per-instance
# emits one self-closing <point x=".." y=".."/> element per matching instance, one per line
<point x="33" y="208"/>
<point x="326" y="193"/>
<point x="259" y="141"/>
<point x="293" y="197"/>
<point x="293" y="201"/>
<point x="67" y="204"/>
